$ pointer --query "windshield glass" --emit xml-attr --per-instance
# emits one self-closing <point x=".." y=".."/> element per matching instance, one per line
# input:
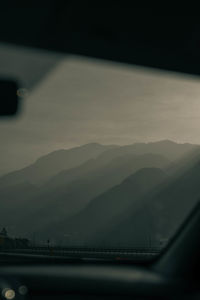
<point x="102" y="156"/>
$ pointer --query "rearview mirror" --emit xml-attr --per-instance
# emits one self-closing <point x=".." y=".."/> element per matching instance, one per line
<point x="9" y="99"/>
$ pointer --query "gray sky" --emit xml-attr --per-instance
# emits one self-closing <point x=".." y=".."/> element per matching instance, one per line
<point x="75" y="100"/>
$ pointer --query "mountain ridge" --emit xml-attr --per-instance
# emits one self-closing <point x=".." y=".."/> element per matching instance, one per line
<point x="50" y="164"/>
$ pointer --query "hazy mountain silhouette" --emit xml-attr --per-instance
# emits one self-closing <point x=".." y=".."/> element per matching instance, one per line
<point x="69" y="179"/>
<point x="52" y="205"/>
<point x="107" y="163"/>
<point x="166" y="148"/>
<point x="104" y="208"/>
<point x="52" y="163"/>
<point x="159" y="217"/>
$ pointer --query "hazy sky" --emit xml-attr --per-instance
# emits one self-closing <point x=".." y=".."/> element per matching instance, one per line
<point x="75" y="100"/>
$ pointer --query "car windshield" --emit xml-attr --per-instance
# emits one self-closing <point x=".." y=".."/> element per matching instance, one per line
<point x="103" y="156"/>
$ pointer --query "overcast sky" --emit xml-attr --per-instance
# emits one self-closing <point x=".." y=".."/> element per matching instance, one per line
<point x="74" y="100"/>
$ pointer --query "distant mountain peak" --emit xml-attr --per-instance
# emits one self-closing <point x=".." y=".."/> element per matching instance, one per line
<point x="170" y="142"/>
<point x="92" y="145"/>
<point x="98" y="146"/>
<point x="54" y="162"/>
<point x="165" y="141"/>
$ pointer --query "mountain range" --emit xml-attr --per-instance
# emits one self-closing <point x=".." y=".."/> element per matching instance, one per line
<point x="162" y="212"/>
<point x="85" y="194"/>
<point x="105" y="208"/>
<point x="49" y="165"/>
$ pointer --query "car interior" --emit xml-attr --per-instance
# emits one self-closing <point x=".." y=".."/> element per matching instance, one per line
<point x="99" y="106"/>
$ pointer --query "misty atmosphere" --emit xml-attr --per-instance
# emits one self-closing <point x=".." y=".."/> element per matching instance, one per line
<point x="102" y="156"/>
<point x="103" y="195"/>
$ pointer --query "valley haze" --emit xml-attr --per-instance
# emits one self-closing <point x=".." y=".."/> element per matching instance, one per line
<point x="102" y="195"/>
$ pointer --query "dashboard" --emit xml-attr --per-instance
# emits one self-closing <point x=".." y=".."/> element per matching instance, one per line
<point x="89" y="281"/>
